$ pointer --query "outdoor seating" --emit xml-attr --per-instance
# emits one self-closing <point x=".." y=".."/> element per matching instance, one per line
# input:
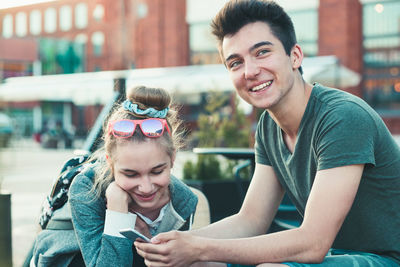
<point x="287" y="216"/>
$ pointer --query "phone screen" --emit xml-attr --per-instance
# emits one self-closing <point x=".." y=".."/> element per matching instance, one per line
<point x="133" y="234"/>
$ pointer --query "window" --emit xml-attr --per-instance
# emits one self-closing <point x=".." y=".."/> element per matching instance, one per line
<point x="305" y="23"/>
<point x="201" y="38"/>
<point x="381" y="32"/>
<point x="81" y="38"/>
<point x="35" y="22"/>
<point x="98" y="42"/>
<point x="65" y="18"/>
<point x="50" y="20"/>
<point x="21" y="24"/>
<point x="381" y="25"/>
<point x="7" y="26"/>
<point x="81" y="16"/>
<point x="98" y="12"/>
<point x="80" y="48"/>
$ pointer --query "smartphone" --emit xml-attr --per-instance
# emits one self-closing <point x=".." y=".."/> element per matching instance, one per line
<point x="133" y="234"/>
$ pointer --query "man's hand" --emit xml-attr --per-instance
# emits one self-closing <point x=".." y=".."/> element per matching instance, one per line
<point x="171" y="249"/>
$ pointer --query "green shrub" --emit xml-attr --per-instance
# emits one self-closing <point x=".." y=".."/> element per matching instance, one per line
<point x="207" y="167"/>
<point x="189" y="171"/>
<point x="219" y="126"/>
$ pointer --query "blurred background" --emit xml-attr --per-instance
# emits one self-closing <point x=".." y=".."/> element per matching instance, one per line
<point x="62" y="61"/>
<point x="350" y="44"/>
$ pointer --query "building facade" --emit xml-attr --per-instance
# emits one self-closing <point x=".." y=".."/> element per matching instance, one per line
<point x="70" y="36"/>
<point x="92" y="35"/>
<point x="363" y="34"/>
<point x="115" y="35"/>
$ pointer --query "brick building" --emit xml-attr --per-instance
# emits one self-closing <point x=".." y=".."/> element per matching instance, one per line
<point x="116" y="35"/>
<point x="125" y="34"/>
<point x="69" y="36"/>
<point x="344" y="19"/>
<point x="365" y="36"/>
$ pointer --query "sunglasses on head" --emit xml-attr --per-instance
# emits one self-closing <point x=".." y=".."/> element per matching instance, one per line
<point x="153" y="127"/>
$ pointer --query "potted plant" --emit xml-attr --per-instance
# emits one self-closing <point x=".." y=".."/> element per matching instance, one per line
<point x="221" y="125"/>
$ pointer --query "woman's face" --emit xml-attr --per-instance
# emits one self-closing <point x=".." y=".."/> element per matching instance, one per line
<point x="143" y="170"/>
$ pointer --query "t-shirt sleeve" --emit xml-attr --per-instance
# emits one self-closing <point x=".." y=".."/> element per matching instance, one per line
<point x="259" y="146"/>
<point x="345" y="136"/>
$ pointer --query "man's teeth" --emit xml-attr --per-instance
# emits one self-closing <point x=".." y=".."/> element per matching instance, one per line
<point x="261" y="86"/>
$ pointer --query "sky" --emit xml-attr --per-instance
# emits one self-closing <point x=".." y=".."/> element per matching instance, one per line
<point x="14" y="3"/>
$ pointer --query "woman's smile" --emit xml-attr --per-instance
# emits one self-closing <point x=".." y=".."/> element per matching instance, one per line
<point x="147" y="197"/>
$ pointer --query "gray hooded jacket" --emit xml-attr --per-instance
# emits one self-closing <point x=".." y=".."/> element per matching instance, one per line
<point x="60" y="247"/>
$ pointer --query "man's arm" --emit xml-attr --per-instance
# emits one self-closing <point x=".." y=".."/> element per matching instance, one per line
<point x="330" y="200"/>
<point x="257" y="212"/>
<point x="254" y="218"/>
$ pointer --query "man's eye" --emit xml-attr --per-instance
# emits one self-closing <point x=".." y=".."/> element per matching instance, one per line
<point x="262" y="52"/>
<point x="234" y="64"/>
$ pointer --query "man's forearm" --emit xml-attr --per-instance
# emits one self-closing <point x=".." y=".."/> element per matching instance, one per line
<point x="290" y="245"/>
<point x="235" y="226"/>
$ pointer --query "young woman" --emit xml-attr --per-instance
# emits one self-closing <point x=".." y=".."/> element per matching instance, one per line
<point x="129" y="185"/>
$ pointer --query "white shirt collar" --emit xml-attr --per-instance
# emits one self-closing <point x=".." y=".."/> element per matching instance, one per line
<point x="154" y="224"/>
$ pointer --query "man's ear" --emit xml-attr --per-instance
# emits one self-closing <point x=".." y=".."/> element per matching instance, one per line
<point x="296" y="56"/>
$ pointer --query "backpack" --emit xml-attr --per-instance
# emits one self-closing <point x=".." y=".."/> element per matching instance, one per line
<point x="59" y="194"/>
<point x="56" y="243"/>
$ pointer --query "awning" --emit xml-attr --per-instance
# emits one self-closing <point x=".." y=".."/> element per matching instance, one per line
<point x="328" y="71"/>
<point x="185" y="83"/>
<point x="80" y="88"/>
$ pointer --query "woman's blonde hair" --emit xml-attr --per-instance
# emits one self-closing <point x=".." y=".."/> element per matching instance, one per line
<point x="145" y="98"/>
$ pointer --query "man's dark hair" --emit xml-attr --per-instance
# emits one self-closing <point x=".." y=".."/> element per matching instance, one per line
<point x="238" y="13"/>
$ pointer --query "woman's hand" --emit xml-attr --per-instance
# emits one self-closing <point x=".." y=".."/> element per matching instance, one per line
<point x="117" y="198"/>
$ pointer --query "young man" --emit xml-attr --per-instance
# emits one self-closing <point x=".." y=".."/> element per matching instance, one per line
<point x="327" y="149"/>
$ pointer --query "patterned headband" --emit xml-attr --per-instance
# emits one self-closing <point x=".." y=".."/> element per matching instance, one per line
<point x="150" y="112"/>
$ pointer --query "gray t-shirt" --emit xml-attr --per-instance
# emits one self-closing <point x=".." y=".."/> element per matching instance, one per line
<point x="339" y="129"/>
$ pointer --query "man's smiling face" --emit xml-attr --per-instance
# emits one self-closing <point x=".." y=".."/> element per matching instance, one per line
<point x="258" y="65"/>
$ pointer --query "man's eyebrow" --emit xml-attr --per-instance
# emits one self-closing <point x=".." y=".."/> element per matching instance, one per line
<point x="255" y="46"/>
<point x="230" y="57"/>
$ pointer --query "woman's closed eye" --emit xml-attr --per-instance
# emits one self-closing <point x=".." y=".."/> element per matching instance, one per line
<point x="129" y="173"/>
<point x="157" y="171"/>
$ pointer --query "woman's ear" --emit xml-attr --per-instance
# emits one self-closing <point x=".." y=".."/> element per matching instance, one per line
<point x="109" y="161"/>
<point x="173" y="159"/>
<point x="110" y="164"/>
